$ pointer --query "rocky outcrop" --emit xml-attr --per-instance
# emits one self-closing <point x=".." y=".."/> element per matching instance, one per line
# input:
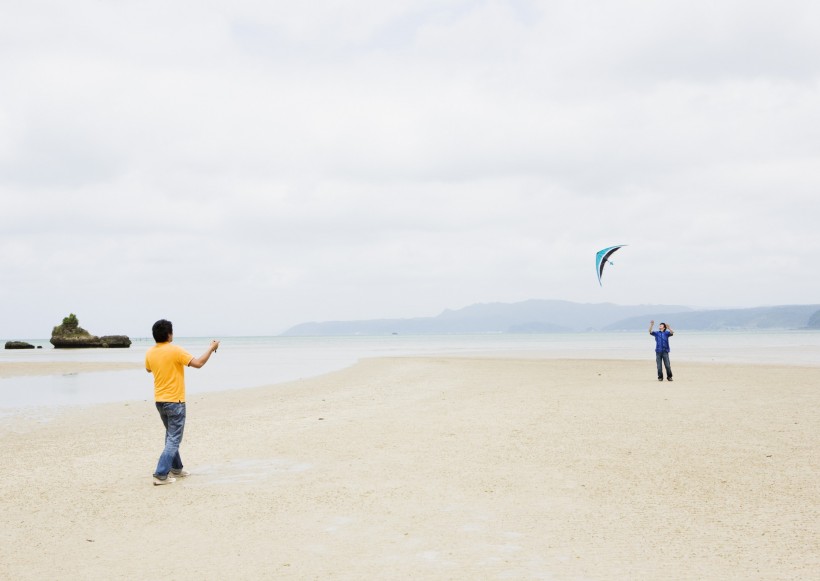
<point x="18" y="345"/>
<point x="115" y="341"/>
<point x="75" y="341"/>
<point x="69" y="335"/>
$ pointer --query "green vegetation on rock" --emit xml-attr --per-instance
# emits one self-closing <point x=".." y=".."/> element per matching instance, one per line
<point x="70" y="328"/>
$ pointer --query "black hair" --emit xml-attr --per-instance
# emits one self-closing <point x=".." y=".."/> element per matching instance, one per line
<point x="162" y="331"/>
<point x="665" y="326"/>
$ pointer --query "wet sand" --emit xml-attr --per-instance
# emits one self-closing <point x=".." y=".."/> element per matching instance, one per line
<point x="24" y="369"/>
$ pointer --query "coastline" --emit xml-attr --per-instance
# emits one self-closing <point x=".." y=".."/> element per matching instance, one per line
<point x="52" y="379"/>
<point x="435" y="468"/>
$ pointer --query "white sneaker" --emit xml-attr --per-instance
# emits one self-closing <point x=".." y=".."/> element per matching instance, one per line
<point x="180" y="474"/>
<point x="160" y="482"/>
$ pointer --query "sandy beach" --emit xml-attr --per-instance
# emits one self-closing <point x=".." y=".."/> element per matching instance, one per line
<point x="433" y="468"/>
<point x="22" y="369"/>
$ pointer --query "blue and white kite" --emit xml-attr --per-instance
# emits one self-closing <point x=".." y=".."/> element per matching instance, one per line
<point x="602" y="258"/>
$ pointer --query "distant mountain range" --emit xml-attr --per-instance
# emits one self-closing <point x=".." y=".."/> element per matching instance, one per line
<point x="549" y="316"/>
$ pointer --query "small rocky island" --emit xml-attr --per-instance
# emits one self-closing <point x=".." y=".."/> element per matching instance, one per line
<point x="69" y="335"/>
<point x="18" y="345"/>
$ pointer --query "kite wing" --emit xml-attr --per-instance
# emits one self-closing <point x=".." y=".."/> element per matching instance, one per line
<point x="602" y="258"/>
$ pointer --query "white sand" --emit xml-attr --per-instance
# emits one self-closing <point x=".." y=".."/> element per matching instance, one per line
<point x="433" y="468"/>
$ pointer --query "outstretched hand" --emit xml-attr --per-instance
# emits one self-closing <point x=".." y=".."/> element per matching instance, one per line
<point x="198" y="362"/>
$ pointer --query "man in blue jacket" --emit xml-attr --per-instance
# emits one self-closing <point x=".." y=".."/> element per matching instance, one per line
<point x="662" y="348"/>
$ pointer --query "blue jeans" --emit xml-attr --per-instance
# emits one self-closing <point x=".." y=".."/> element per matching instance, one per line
<point x="663" y="357"/>
<point x="173" y="418"/>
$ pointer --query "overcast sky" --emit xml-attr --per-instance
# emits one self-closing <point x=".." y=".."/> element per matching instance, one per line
<point x="242" y="166"/>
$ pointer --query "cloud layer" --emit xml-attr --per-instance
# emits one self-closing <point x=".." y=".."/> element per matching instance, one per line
<point x="241" y="167"/>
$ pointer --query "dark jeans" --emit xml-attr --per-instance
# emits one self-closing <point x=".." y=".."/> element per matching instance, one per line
<point x="173" y="418"/>
<point x="663" y="357"/>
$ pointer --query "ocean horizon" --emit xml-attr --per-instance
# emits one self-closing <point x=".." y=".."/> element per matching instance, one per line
<point x="244" y="362"/>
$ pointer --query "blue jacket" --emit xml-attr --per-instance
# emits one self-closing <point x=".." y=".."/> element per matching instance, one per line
<point x="661" y="341"/>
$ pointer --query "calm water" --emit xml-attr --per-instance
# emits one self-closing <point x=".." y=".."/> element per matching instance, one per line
<point x="253" y="361"/>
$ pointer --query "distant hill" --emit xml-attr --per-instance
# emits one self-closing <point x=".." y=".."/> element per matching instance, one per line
<point x="533" y="316"/>
<point x="759" y="318"/>
<point x="548" y="316"/>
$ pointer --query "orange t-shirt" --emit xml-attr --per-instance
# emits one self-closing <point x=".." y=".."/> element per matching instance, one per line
<point x="168" y="362"/>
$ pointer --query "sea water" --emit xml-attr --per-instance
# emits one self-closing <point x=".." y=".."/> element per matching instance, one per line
<point x="243" y="362"/>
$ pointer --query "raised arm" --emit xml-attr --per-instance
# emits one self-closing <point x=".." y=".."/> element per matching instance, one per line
<point x="668" y="328"/>
<point x="198" y="362"/>
<point x="651" y="324"/>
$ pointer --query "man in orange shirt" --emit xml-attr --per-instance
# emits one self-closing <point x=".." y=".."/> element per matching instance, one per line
<point x="168" y="362"/>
